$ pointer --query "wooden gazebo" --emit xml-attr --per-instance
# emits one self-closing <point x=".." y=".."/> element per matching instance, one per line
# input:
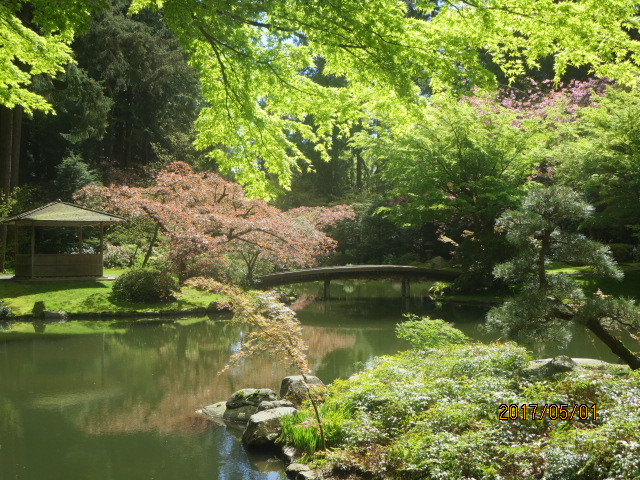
<point x="60" y="214"/>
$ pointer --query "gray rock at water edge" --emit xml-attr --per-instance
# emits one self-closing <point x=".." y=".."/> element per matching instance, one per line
<point x="55" y="315"/>
<point x="215" y="411"/>
<point x="244" y="403"/>
<point x="38" y="309"/>
<point x="288" y="453"/>
<point x="239" y="414"/>
<point x="559" y="364"/>
<point x="293" y="387"/>
<point x="300" y="471"/>
<point x="274" y="404"/>
<point x="264" y="427"/>
<point x="294" y="470"/>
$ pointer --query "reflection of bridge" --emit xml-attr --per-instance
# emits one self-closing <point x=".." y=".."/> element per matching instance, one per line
<point x="368" y="272"/>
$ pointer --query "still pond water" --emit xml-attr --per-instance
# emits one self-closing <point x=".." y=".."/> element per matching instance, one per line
<point x="120" y="405"/>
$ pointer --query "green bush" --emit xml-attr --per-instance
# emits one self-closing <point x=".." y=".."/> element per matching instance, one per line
<point x="116" y="256"/>
<point x="145" y="285"/>
<point x="425" y="332"/>
<point x="5" y="310"/>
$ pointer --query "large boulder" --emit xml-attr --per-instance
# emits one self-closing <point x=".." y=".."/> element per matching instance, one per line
<point x="251" y="396"/>
<point x="438" y="262"/>
<point x="300" y="471"/>
<point x="264" y="427"/>
<point x="244" y="403"/>
<point x="38" y="309"/>
<point x="214" y="411"/>
<point x="294" y="387"/>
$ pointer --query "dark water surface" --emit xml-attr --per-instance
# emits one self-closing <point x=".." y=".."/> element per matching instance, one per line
<point x="120" y="405"/>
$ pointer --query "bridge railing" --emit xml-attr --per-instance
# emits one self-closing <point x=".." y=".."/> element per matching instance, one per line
<point x="356" y="272"/>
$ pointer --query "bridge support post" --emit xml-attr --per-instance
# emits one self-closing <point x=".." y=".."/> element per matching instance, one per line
<point x="326" y="293"/>
<point x="406" y="288"/>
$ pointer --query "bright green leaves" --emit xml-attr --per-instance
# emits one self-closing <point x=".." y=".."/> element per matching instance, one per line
<point x="600" y="155"/>
<point x="517" y="35"/>
<point x="257" y="61"/>
<point x="20" y="47"/>
<point x="424" y="333"/>
<point x="458" y="161"/>
<point x="41" y="49"/>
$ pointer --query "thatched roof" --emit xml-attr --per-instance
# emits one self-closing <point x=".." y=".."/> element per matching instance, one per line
<point x="63" y="214"/>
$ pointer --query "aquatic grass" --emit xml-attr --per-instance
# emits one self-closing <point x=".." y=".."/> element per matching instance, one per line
<point x="301" y="429"/>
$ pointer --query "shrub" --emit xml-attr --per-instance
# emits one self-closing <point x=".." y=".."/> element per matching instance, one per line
<point x="436" y="416"/>
<point x="5" y="310"/>
<point x="116" y="256"/>
<point x="425" y="332"/>
<point x="144" y="285"/>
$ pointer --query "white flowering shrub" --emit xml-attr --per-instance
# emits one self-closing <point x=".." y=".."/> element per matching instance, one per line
<point x="434" y="414"/>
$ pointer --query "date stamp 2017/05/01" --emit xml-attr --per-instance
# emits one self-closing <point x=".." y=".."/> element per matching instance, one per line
<point x="553" y="411"/>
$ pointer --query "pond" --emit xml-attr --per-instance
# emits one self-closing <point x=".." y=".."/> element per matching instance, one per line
<point x="119" y="404"/>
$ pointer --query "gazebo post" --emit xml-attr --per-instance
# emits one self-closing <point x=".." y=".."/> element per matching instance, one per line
<point x="101" y="238"/>
<point x="80" y="249"/>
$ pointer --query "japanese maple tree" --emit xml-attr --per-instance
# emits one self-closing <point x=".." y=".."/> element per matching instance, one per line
<point x="204" y="216"/>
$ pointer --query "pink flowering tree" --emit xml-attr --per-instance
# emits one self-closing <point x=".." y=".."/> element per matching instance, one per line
<point x="204" y="218"/>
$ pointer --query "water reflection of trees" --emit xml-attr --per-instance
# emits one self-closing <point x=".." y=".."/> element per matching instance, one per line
<point x="170" y="370"/>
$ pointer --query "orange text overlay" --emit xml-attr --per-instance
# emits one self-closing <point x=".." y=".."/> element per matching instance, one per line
<point x="553" y="411"/>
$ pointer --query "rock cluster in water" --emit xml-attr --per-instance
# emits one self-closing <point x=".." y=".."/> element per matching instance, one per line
<point x="260" y="410"/>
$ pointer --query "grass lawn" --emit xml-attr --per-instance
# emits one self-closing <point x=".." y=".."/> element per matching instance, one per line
<point x="88" y="296"/>
<point x="628" y="287"/>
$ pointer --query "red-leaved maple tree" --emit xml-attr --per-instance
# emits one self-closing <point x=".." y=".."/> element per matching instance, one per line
<point x="205" y="218"/>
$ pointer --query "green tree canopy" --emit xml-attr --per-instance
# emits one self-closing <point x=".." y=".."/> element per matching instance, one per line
<point x="459" y="164"/>
<point x="34" y="39"/>
<point x="256" y="60"/>
<point x="599" y="154"/>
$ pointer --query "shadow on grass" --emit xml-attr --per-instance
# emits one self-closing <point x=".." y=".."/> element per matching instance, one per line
<point x="628" y="287"/>
<point x="100" y="302"/>
<point x="14" y="288"/>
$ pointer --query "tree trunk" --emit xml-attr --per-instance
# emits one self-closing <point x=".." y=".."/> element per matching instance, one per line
<point x="151" y="244"/>
<point x="545" y="246"/>
<point x="613" y="343"/>
<point x="6" y="144"/>
<point x="359" y="168"/>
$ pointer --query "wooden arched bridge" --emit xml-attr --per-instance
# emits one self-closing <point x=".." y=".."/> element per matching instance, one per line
<point x="367" y="272"/>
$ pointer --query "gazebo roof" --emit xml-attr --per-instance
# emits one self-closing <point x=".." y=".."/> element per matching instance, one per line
<point x="63" y="214"/>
